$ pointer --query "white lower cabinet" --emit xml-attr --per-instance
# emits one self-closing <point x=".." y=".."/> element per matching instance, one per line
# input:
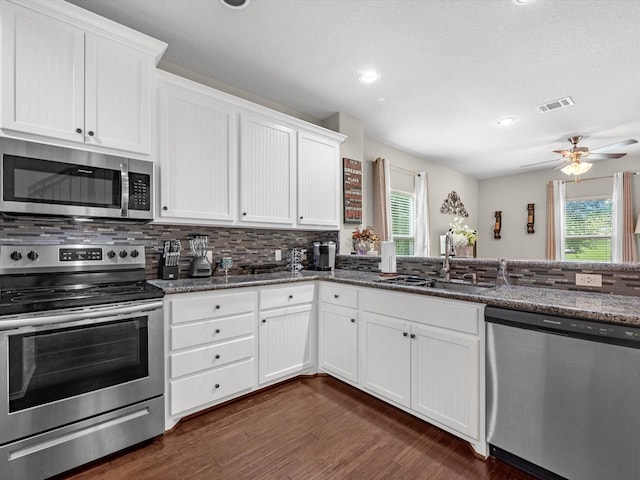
<point x="386" y="357"/>
<point x="426" y="355"/>
<point x="444" y="377"/>
<point x="286" y="332"/>
<point x="211" y="345"/>
<point x="338" y="331"/>
<point x="423" y="354"/>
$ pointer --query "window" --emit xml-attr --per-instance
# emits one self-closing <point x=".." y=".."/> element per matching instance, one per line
<point x="588" y="227"/>
<point x="403" y="220"/>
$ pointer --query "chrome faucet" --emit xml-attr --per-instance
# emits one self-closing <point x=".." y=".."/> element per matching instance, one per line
<point x="448" y="248"/>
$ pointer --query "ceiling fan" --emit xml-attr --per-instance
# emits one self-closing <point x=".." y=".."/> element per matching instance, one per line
<point x="574" y="162"/>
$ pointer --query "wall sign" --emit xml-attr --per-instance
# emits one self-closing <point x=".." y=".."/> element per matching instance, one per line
<point x="352" y="190"/>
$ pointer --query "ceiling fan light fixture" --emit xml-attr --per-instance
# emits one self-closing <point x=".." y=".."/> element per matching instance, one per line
<point x="576" y="168"/>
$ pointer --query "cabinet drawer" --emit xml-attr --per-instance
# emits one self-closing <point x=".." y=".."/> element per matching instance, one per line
<point x="339" y="295"/>
<point x="212" y="356"/>
<point x="283" y="297"/>
<point x="187" y="308"/>
<point x="451" y="314"/>
<point x="183" y="336"/>
<point x="203" y="388"/>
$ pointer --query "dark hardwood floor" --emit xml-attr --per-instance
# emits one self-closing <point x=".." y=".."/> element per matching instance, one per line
<point x="310" y="428"/>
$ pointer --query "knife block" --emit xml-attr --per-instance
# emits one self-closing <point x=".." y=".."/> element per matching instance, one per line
<point x="168" y="272"/>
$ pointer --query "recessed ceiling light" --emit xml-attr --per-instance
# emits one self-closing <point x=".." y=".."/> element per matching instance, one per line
<point x="522" y="2"/>
<point x="235" y="3"/>
<point x="369" y="77"/>
<point x="506" y="121"/>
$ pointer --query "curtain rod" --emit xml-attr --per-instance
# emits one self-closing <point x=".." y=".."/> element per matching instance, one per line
<point x="594" y="178"/>
<point x="404" y="170"/>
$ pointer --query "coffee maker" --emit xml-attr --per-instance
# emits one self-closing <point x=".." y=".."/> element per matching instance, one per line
<point x="324" y="255"/>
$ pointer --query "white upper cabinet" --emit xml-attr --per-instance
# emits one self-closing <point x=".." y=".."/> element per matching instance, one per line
<point x="267" y="171"/>
<point x="71" y="77"/>
<point x="42" y="75"/>
<point x="117" y="95"/>
<point x="197" y="154"/>
<point x="318" y="180"/>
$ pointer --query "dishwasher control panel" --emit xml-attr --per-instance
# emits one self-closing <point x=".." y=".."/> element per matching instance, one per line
<point x="563" y="325"/>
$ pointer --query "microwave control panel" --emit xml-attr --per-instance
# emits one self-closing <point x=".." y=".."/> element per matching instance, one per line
<point x="139" y="191"/>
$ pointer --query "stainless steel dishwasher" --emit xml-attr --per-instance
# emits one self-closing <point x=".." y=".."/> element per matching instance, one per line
<point x="563" y="395"/>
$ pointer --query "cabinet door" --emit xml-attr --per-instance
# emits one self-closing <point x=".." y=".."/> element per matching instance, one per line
<point x="42" y="75"/>
<point x="445" y="371"/>
<point x="385" y="350"/>
<point x="338" y="341"/>
<point x="285" y="342"/>
<point x="267" y="171"/>
<point x="318" y="181"/>
<point x="197" y="155"/>
<point x="118" y="95"/>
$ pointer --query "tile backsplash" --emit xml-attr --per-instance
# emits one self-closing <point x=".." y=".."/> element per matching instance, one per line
<point x="247" y="246"/>
<point x="622" y="279"/>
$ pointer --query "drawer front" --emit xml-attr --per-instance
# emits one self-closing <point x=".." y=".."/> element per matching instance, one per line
<point x="212" y="356"/>
<point x="339" y="295"/>
<point x="286" y="296"/>
<point x="192" y="307"/>
<point x="204" y="388"/>
<point x="184" y="336"/>
<point x="450" y="314"/>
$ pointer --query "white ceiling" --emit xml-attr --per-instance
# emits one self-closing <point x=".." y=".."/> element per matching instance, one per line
<point x="450" y="68"/>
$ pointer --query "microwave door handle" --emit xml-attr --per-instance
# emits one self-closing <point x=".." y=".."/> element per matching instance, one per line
<point x="124" y="175"/>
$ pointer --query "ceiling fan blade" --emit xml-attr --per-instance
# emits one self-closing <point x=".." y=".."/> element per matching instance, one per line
<point x="614" y="145"/>
<point x="602" y="156"/>
<point x="541" y="163"/>
<point x="564" y="153"/>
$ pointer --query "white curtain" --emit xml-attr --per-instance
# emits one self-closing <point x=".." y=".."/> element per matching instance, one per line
<point x="422" y="248"/>
<point x="617" y="220"/>
<point x="559" y="200"/>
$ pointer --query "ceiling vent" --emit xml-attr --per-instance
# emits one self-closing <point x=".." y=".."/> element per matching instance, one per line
<point x="555" y="104"/>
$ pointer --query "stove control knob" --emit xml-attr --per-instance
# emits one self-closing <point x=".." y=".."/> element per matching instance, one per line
<point x="123" y="254"/>
<point x="111" y="254"/>
<point x="16" y="256"/>
<point x="32" y="255"/>
<point x="134" y="253"/>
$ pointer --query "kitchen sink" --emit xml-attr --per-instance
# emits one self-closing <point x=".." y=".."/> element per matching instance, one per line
<point x="454" y="285"/>
<point x="461" y="286"/>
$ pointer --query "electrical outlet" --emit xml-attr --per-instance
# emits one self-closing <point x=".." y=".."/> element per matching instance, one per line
<point x="210" y="256"/>
<point x="588" y="280"/>
<point x="278" y="255"/>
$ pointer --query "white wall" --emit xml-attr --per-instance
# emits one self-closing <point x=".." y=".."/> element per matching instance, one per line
<point x="353" y="148"/>
<point x="512" y="194"/>
<point x="441" y="181"/>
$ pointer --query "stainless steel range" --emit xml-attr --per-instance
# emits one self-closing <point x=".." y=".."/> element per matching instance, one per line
<point x="81" y="356"/>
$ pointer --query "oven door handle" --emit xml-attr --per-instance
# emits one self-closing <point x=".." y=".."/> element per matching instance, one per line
<point x="89" y="313"/>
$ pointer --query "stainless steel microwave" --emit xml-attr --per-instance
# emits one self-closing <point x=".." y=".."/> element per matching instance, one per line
<point x="46" y="180"/>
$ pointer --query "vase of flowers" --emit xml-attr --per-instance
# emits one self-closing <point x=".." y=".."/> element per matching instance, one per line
<point x="364" y="240"/>
<point x="463" y="237"/>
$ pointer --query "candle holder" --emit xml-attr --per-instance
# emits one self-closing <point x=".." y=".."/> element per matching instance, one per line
<point x="530" y="217"/>
<point x="498" y="225"/>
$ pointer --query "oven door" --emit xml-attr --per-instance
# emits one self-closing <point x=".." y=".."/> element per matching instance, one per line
<point x="75" y="365"/>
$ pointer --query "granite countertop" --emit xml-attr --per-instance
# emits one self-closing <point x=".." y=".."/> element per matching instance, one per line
<point x="586" y="305"/>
